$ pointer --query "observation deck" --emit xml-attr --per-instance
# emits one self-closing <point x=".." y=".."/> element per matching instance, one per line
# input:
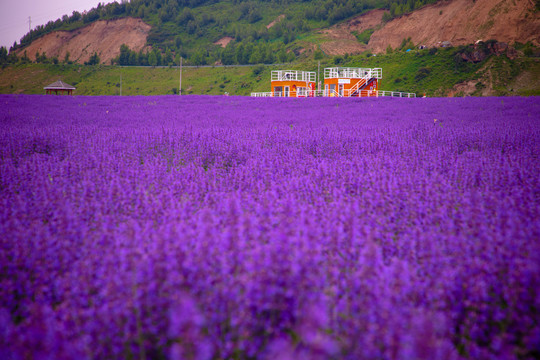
<point x="293" y="75"/>
<point x="352" y="73"/>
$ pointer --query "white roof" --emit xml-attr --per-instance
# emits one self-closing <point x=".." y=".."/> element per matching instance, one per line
<point x="59" y="85"/>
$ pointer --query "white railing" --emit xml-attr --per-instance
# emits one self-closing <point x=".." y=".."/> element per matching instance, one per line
<point x="351" y="92"/>
<point x="299" y="94"/>
<point x="293" y="75"/>
<point x="355" y="91"/>
<point x="352" y="73"/>
<point x="333" y="93"/>
<point x="393" y="93"/>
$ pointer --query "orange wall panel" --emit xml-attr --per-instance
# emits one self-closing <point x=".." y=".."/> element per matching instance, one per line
<point x="335" y="81"/>
<point x="292" y="84"/>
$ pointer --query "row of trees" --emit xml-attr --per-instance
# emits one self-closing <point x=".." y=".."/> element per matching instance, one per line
<point x="7" y="58"/>
<point x="129" y="57"/>
<point x="235" y="53"/>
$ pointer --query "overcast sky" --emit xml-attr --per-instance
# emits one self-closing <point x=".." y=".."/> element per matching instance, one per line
<point x="14" y="15"/>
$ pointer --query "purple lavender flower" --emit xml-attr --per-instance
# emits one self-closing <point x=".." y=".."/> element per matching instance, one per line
<point x="234" y="228"/>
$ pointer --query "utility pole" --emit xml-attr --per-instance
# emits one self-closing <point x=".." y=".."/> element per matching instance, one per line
<point x="29" y="23"/>
<point x="180" y="81"/>
<point x="120" y="82"/>
<point x="319" y="76"/>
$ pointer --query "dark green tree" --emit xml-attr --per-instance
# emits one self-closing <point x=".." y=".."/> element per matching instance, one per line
<point x="142" y="58"/>
<point x="198" y="57"/>
<point x="158" y="57"/>
<point x="228" y="55"/>
<point x="3" y="55"/>
<point x="133" y="58"/>
<point x="123" y="58"/>
<point x="168" y="59"/>
<point x="94" y="59"/>
<point x="24" y="58"/>
<point x="152" y="59"/>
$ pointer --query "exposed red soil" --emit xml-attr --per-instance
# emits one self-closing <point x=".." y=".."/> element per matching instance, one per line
<point x="278" y="19"/>
<point x="224" y="41"/>
<point x="341" y="38"/>
<point x="103" y="37"/>
<point x="461" y="22"/>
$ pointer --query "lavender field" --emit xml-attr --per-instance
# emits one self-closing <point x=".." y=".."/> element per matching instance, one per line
<point x="240" y="228"/>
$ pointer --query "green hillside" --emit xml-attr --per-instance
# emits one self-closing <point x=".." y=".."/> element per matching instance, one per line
<point x="189" y="28"/>
<point x="433" y="72"/>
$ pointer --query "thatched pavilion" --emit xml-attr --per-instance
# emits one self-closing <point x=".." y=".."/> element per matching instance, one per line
<point x="59" y="86"/>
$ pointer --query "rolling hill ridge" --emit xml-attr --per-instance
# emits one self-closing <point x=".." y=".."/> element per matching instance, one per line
<point x="155" y="33"/>
<point x="459" y="22"/>
<point x="281" y="33"/>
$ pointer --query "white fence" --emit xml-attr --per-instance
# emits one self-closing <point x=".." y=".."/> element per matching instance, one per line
<point x="293" y="75"/>
<point x="333" y="93"/>
<point x="352" y="73"/>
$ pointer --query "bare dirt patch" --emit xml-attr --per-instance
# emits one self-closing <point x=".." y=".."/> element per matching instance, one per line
<point x="483" y="86"/>
<point x="341" y="39"/>
<point x="345" y="30"/>
<point x="278" y="19"/>
<point x="528" y="80"/>
<point x="465" y="88"/>
<point x="103" y="37"/>
<point x="224" y="41"/>
<point x="462" y="22"/>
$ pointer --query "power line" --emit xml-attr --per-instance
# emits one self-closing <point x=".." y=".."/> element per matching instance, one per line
<point x="12" y="27"/>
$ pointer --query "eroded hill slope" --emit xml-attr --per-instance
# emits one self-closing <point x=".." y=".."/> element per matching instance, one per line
<point x="460" y="22"/>
<point x="103" y="37"/>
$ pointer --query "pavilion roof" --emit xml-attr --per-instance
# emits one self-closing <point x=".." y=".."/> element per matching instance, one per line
<point x="59" y="85"/>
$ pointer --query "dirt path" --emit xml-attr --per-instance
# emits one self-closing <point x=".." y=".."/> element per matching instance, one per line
<point x="278" y="19"/>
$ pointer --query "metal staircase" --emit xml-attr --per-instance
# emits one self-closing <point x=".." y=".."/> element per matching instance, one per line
<point x="368" y="77"/>
<point x="359" y="86"/>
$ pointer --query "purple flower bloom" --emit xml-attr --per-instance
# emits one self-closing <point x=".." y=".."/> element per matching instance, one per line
<point x="209" y="227"/>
